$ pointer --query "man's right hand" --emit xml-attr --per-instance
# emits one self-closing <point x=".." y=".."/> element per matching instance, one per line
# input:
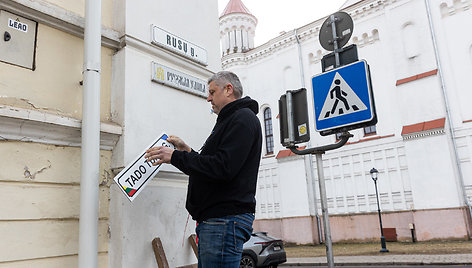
<point x="179" y="143"/>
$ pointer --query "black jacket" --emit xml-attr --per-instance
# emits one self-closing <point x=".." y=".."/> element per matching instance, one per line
<point x="223" y="175"/>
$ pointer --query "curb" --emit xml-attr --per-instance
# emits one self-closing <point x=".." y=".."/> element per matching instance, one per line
<point x="397" y="260"/>
<point x="374" y="264"/>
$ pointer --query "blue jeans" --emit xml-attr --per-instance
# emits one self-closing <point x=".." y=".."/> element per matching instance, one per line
<point x="220" y="240"/>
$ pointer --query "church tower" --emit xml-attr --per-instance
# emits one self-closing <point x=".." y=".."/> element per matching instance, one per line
<point x="237" y="28"/>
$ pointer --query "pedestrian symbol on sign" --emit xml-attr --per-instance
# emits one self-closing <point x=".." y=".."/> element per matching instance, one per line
<point x="340" y="100"/>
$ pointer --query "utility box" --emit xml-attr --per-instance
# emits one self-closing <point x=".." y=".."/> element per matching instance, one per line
<point x="301" y="129"/>
<point x="17" y="40"/>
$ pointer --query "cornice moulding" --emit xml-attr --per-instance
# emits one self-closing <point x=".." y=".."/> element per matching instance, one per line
<point x="19" y="124"/>
<point x="164" y="54"/>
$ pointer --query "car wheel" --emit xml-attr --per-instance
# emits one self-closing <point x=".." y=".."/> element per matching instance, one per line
<point x="247" y="262"/>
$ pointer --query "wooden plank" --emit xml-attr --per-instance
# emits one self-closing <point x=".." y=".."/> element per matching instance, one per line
<point x="193" y="242"/>
<point x="159" y="253"/>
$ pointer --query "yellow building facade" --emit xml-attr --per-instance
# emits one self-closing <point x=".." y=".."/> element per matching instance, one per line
<point x="40" y="133"/>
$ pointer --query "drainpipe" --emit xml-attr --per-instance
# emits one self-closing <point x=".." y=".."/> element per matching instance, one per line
<point x="88" y="221"/>
<point x="309" y="168"/>
<point x="448" y="109"/>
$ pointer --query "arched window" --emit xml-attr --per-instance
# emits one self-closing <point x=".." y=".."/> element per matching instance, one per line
<point x="269" y="136"/>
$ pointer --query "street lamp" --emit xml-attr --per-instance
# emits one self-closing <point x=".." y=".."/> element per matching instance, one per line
<point x="374" y="173"/>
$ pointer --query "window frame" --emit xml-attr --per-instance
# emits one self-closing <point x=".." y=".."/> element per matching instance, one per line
<point x="268" y="137"/>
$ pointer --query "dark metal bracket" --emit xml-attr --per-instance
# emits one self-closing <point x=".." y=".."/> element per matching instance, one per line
<point x="322" y="149"/>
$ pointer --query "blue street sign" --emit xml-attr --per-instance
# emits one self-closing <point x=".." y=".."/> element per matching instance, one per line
<point x="343" y="98"/>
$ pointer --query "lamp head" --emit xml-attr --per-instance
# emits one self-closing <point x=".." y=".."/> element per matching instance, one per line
<point x="374" y="173"/>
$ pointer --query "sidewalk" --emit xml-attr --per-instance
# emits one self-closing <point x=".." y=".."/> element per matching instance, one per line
<point x="437" y="259"/>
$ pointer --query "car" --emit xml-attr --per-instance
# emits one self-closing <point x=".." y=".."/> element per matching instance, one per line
<point x="262" y="250"/>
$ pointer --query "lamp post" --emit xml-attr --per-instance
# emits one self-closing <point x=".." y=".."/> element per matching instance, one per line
<point x="374" y="173"/>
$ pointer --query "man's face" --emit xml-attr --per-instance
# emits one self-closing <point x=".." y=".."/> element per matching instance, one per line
<point x="218" y="96"/>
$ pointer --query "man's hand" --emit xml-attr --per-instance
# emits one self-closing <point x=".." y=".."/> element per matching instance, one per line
<point x="164" y="154"/>
<point x="179" y="143"/>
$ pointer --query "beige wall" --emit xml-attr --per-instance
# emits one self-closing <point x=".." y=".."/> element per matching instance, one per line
<point x="40" y="205"/>
<point x="54" y="85"/>
<point x="41" y="182"/>
<point x="78" y="7"/>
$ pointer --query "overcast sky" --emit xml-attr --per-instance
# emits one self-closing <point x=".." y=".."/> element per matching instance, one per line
<point x="275" y="16"/>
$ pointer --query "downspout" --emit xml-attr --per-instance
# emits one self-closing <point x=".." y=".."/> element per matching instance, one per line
<point x="89" y="181"/>
<point x="309" y="157"/>
<point x="448" y="112"/>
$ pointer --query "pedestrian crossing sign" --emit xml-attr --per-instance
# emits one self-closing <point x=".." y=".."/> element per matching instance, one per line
<point x="343" y="99"/>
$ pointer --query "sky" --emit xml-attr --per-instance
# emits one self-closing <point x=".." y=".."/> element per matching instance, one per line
<point x="275" y="16"/>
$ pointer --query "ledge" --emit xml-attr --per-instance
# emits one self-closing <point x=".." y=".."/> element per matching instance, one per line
<point x="19" y="124"/>
<point x="287" y="153"/>
<point x="371" y="138"/>
<point x="416" y="77"/>
<point x="428" y="128"/>
<point x="428" y="125"/>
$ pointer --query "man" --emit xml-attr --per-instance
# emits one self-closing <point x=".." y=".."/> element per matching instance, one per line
<point x="223" y="176"/>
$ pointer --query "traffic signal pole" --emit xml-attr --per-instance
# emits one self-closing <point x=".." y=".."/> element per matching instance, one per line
<point x="319" y="151"/>
<point x="294" y="126"/>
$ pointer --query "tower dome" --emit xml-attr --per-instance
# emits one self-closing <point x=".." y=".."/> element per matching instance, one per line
<point x="237" y="28"/>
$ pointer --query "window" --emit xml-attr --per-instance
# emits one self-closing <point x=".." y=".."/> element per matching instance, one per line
<point x="370" y="130"/>
<point x="269" y="136"/>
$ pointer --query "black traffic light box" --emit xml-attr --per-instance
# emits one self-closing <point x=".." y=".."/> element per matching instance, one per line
<point x="300" y="121"/>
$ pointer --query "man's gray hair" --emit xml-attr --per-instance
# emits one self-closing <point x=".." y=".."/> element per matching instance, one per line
<point x="224" y="77"/>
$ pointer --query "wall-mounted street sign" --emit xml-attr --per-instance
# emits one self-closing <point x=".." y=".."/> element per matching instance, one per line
<point x="170" y="77"/>
<point x="134" y="177"/>
<point x="343" y="99"/>
<point x="176" y="44"/>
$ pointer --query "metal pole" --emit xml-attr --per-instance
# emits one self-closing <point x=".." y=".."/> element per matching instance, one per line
<point x="335" y="41"/>
<point x="382" y="238"/>
<point x="88" y="223"/>
<point x="309" y="157"/>
<point x="324" y="209"/>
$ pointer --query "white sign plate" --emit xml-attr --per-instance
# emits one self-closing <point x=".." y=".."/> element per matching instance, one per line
<point x="176" y="44"/>
<point x="134" y="177"/>
<point x="17" y="25"/>
<point x="173" y="78"/>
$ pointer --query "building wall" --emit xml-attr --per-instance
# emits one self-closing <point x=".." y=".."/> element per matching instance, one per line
<point x="146" y="109"/>
<point x="58" y="73"/>
<point x="41" y="205"/>
<point x="418" y="179"/>
<point x="40" y="114"/>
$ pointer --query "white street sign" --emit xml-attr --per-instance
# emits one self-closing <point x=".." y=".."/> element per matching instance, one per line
<point x="134" y="177"/>
<point x="173" y="78"/>
<point x="179" y="45"/>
